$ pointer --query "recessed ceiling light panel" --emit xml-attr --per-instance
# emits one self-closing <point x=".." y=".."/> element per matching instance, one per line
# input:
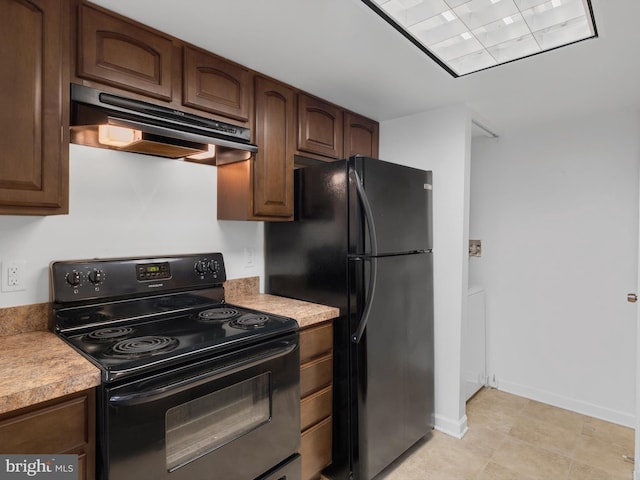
<point x="465" y="36"/>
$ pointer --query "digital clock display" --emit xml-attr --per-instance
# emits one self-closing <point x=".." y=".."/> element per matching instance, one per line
<point x="153" y="271"/>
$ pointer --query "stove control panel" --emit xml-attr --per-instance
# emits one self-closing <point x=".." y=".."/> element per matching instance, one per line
<point x="153" y="271"/>
<point x="82" y="280"/>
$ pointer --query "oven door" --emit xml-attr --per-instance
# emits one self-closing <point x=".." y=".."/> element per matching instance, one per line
<point x="232" y="417"/>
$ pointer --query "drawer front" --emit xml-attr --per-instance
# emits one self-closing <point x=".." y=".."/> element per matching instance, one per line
<point x="315" y="407"/>
<point x="315" y="449"/>
<point x="316" y="375"/>
<point x="316" y="341"/>
<point x="54" y="429"/>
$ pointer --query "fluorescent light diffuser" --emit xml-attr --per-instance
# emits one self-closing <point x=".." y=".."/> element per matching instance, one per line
<point x="115" y="136"/>
<point x="465" y="36"/>
<point x="209" y="154"/>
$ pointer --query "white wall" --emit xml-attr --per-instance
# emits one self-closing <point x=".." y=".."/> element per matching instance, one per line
<point x="556" y="208"/>
<point x="124" y="204"/>
<point x="439" y="140"/>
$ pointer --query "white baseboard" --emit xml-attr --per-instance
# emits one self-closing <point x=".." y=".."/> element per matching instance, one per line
<point x="455" y="428"/>
<point x="585" y="408"/>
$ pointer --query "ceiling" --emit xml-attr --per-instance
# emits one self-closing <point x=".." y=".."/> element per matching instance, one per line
<point x="341" y="51"/>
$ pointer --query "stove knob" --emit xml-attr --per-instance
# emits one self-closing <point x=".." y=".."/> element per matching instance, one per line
<point x="201" y="266"/>
<point x="73" y="278"/>
<point x="213" y="266"/>
<point x="96" y="276"/>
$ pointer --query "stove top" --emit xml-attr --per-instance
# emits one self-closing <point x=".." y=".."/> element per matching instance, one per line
<point x="134" y="346"/>
<point x="141" y="325"/>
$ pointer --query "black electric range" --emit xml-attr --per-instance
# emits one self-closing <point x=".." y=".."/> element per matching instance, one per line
<point x="131" y="316"/>
<point x="189" y="382"/>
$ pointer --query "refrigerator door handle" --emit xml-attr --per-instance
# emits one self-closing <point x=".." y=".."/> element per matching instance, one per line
<point x="366" y="206"/>
<point x="368" y="212"/>
<point x="357" y="336"/>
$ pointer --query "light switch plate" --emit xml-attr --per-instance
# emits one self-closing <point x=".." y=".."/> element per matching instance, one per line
<point x="475" y="248"/>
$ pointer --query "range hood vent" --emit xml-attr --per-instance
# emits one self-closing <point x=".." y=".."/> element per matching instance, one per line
<point x="104" y="120"/>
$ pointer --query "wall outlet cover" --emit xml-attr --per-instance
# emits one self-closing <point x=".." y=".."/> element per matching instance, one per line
<point x="475" y="248"/>
<point x="13" y="275"/>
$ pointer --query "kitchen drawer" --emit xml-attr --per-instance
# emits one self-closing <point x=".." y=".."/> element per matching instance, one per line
<point x="316" y="375"/>
<point x="315" y="449"/>
<point x="315" y="407"/>
<point x="56" y="428"/>
<point x="316" y="341"/>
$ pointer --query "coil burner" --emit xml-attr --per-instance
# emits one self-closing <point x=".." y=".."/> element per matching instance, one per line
<point x="218" y="314"/>
<point x="250" y="321"/>
<point x="108" y="334"/>
<point x="143" y="346"/>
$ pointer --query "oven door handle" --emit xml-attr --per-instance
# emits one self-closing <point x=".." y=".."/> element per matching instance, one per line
<point x="190" y="382"/>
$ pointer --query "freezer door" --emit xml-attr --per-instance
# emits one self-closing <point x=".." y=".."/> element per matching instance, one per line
<point x="393" y="382"/>
<point x="400" y="198"/>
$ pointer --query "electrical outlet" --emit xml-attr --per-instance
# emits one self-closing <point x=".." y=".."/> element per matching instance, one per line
<point x="248" y="257"/>
<point x="13" y="274"/>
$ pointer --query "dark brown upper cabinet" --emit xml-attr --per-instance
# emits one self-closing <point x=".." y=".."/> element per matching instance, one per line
<point x="262" y="188"/>
<point x="275" y="133"/>
<point x="361" y="136"/>
<point x="216" y="85"/>
<point x="34" y="97"/>
<point x="123" y="54"/>
<point x="320" y="129"/>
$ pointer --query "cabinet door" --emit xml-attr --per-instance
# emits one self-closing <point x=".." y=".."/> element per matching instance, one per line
<point x="319" y="127"/>
<point x="360" y="136"/>
<point x="216" y="85"/>
<point x="273" y="164"/>
<point x="64" y="425"/>
<point x="33" y="104"/>
<point x="117" y="52"/>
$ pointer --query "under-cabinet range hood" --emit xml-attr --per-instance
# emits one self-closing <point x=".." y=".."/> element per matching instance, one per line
<point x="105" y="120"/>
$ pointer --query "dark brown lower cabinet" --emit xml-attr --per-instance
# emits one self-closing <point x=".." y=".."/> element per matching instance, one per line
<point x="316" y="392"/>
<point x="65" y="425"/>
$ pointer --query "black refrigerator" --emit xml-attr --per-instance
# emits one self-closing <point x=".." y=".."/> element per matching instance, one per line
<point x="362" y="241"/>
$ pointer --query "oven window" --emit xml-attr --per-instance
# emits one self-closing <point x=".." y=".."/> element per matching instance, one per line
<point x="206" y="423"/>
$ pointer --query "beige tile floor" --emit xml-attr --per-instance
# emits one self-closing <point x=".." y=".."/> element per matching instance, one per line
<point x="513" y="438"/>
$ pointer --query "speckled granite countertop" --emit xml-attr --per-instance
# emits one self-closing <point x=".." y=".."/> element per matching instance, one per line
<point x="244" y="292"/>
<point x="305" y="313"/>
<point x="38" y="366"/>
